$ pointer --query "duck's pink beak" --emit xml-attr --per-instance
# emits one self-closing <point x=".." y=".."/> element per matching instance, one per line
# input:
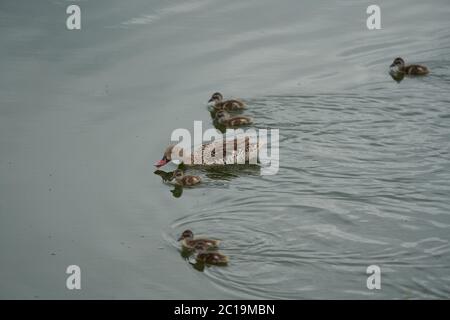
<point x="161" y="162"/>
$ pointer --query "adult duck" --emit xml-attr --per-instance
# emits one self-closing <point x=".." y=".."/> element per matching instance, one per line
<point x="217" y="152"/>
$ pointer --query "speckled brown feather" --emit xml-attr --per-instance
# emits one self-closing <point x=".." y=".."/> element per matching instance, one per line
<point x="238" y="121"/>
<point x="200" y="244"/>
<point x="229" y="105"/>
<point x="213" y="258"/>
<point x="415" y="70"/>
<point x="224" y="119"/>
<point x="189" y="180"/>
<point x="235" y="146"/>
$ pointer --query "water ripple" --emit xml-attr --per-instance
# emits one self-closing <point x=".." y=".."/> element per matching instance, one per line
<point x="354" y="171"/>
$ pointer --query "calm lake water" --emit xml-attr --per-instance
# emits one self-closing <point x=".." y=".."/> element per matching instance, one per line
<point x="364" y="161"/>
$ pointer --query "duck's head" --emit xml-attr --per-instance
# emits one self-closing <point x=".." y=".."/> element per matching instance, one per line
<point x="187" y="234"/>
<point x="172" y="152"/>
<point x="398" y="63"/>
<point x="222" y="115"/>
<point x="216" y="97"/>
<point x="177" y="174"/>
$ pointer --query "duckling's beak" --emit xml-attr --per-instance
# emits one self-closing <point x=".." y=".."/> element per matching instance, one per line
<point x="161" y="162"/>
<point x="210" y="100"/>
<point x="180" y="238"/>
<point x="392" y="65"/>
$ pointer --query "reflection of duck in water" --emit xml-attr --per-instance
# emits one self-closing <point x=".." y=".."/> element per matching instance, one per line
<point x="229" y="152"/>
<point x="398" y="70"/>
<point x="200" y="244"/>
<point x="225" y="119"/>
<point x="217" y="103"/>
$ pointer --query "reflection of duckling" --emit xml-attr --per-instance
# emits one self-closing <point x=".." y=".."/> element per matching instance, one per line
<point x="212" y="258"/>
<point x="202" y="244"/>
<point x="398" y="66"/>
<point x="183" y="180"/>
<point x="224" y="118"/>
<point x="218" y="103"/>
<point x="397" y="76"/>
<point x="177" y="191"/>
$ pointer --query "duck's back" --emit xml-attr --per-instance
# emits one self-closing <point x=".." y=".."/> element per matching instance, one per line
<point x="238" y="121"/>
<point x="415" y="69"/>
<point x="201" y="243"/>
<point x="214" y="258"/>
<point x="190" y="180"/>
<point x="230" y="105"/>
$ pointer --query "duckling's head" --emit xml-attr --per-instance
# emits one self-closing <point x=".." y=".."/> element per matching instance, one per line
<point x="187" y="234"/>
<point x="398" y="63"/>
<point x="177" y="174"/>
<point x="170" y="151"/>
<point x="222" y="115"/>
<point x="216" y="97"/>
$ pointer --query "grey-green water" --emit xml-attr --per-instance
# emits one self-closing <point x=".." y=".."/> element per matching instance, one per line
<point x="364" y="161"/>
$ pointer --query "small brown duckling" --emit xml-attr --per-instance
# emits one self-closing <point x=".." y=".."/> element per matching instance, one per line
<point x="224" y="118"/>
<point x="201" y="244"/>
<point x="218" y="103"/>
<point x="212" y="258"/>
<point x="398" y="66"/>
<point x="184" y="180"/>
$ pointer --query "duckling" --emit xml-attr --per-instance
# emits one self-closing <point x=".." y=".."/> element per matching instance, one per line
<point x="183" y="180"/>
<point x="202" y="244"/>
<point x="218" y="103"/>
<point x="212" y="258"/>
<point x="224" y="118"/>
<point x="398" y="66"/>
